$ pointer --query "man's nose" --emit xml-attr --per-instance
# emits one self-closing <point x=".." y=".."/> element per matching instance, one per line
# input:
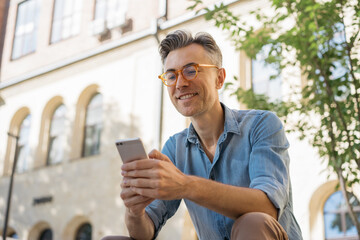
<point x="181" y="81"/>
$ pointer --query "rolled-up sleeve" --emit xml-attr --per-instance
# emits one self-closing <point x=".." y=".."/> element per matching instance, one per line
<point x="269" y="160"/>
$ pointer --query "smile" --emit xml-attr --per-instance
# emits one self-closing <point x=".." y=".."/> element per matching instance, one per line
<point x="187" y="96"/>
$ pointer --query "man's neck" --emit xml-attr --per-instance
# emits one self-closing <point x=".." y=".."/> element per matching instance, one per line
<point x="209" y="126"/>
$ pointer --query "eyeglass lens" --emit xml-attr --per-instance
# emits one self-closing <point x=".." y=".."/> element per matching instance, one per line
<point x="189" y="73"/>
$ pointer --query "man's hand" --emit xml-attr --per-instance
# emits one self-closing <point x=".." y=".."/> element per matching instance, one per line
<point x="134" y="202"/>
<point x="158" y="178"/>
<point x="139" y="225"/>
<point x="154" y="178"/>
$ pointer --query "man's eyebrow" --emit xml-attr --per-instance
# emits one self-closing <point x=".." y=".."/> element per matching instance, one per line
<point x="188" y="64"/>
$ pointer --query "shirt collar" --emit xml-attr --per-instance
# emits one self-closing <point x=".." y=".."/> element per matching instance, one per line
<point x="231" y="125"/>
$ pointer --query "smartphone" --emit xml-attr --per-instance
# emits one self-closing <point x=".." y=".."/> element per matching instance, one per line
<point x="131" y="149"/>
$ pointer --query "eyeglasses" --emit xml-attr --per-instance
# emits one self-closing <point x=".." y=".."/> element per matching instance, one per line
<point x="189" y="72"/>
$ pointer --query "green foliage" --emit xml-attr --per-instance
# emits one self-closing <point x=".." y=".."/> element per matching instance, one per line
<point x="320" y="37"/>
<point x="260" y="101"/>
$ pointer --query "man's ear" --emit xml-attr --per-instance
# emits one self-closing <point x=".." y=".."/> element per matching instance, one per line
<point x="220" y="78"/>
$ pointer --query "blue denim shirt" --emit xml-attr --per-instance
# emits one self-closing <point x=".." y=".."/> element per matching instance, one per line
<point x="251" y="152"/>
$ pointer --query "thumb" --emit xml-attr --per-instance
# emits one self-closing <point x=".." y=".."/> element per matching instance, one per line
<point x="158" y="155"/>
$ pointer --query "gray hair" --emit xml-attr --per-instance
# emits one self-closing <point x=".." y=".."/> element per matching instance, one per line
<point x="182" y="38"/>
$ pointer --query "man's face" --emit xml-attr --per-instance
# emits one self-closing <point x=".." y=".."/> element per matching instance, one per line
<point x="198" y="96"/>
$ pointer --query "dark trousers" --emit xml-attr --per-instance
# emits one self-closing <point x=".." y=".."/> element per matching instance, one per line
<point x="250" y="226"/>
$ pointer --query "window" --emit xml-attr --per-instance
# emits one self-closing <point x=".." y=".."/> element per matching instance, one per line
<point x="13" y="235"/>
<point x="109" y="14"/>
<point x="340" y="68"/>
<point x="337" y="222"/>
<point x="261" y="73"/>
<point x="46" y="235"/>
<point x="57" y="136"/>
<point x="25" y="29"/>
<point x="84" y="232"/>
<point x="66" y="20"/>
<point x="93" y="126"/>
<point x="23" y="147"/>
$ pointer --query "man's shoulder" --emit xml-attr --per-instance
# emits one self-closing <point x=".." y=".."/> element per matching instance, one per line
<point x="175" y="143"/>
<point x="251" y="114"/>
<point x="179" y="136"/>
<point x="246" y="111"/>
<point x="245" y="121"/>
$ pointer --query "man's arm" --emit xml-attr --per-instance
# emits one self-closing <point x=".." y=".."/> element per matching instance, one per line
<point x="138" y="223"/>
<point x="158" y="178"/>
<point x="228" y="200"/>
<point x="139" y="227"/>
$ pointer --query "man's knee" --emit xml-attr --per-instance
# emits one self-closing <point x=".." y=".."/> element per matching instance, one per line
<point x="116" y="238"/>
<point x="254" y="218"/>
<point x="257" y="225"/>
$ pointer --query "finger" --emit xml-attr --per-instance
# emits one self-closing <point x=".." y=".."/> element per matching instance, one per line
<point x="139" y="164"/>
<point x="122" y="185"/>
<point x="139" y="209"/>
<point x="127" y="193"/>
<point x="136" y="200"/>
<point x="147" y="173"/>
<point x="149" y="192"/>
<point x="158" y="155"/>
<point x="141" y="183"/>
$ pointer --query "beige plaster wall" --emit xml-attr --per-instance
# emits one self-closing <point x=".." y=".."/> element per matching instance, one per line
<point x="87" y="189"/>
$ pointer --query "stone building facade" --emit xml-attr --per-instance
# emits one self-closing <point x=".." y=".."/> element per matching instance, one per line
<point x="78" y="75"/>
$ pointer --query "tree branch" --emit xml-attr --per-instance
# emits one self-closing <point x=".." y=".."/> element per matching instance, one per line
<point x="341" y="177"/>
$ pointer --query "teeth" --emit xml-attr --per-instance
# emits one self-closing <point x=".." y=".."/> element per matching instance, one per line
<point x="187" y="96"/>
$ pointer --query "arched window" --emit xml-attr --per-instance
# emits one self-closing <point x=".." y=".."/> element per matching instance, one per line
<point x="23" y="147"/>
<point x="262" y="80"/>
<point x="337" y="222"/>
<point x="93" y="126"/>
<point x="12" y="234"/>
<point x="57" y="136"/>
<point x="46" y="234"/>
<point x="84" y="232"/>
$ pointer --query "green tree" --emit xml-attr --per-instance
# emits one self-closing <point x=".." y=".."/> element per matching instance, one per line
<point x="321" y="38"/>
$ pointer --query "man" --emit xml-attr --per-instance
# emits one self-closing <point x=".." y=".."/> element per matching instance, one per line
<point x="229" y="166"/>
